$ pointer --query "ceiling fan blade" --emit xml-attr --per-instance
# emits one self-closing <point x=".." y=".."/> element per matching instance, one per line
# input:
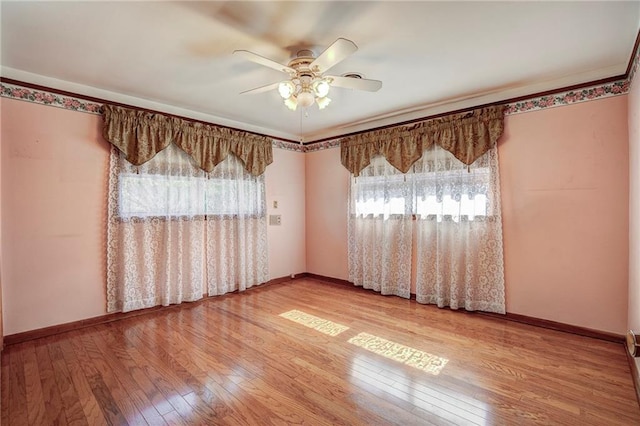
<point x="261" y="89"/>
<point x="254" y="57"/>
<point x="339" y="50"/>
<point x="355" y="83"/>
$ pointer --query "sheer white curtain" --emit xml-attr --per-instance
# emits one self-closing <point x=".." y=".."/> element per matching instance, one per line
<point x="459" y="232"/>
<point x="170" y="224"/>
<point x="236" y="229"/>
<point x="379" y="230"/>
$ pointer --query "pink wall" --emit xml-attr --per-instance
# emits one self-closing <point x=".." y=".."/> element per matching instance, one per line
<point x="564" y="180"/>
<point x="54" y="165"/>
<point x="326" y="191"/>
<point x="634" y="206"/>
<point x="564" y="185"/>
<point x="284" y="183"/>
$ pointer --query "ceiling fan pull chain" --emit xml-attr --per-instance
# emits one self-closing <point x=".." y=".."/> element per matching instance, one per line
<point x="300" y="127"/>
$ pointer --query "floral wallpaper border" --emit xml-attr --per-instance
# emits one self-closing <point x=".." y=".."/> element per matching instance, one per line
<point x="289" y="146"/>
<point x="606" y="90"/>
<point x="47" y="98"/>
<point x="334" y="143"/>
<point x="585" y="94"/>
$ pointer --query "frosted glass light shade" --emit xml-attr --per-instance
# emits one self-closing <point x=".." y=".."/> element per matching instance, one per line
<point x="321" y="88"/>
<point x="286" y="89"/>
<point x="305" y="99"/>
<point x="291" y="103"/>
<point x="323" y="102"/>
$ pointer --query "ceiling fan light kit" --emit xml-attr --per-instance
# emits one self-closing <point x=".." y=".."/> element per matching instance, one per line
<point x="304" y="92"/>
<point x="307" y="84"/>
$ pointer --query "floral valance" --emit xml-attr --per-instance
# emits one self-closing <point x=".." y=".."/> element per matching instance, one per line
<point x="140" y="135"/>
<point x="467" y="136"/>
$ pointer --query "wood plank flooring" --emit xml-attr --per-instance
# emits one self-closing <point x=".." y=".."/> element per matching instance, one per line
<point x="339" y="355"/>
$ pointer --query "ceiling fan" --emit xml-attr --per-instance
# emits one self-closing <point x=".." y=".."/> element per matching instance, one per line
<point x="307" y="83"/>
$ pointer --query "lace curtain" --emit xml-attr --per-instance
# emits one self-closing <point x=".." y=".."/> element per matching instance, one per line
<point x="236" y="229"/>
<point x="379" y="230"/>
<point x="457" y="231"/>
<point x="171" y="225"/>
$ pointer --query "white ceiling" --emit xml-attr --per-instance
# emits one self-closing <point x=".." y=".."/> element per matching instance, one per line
<point x="432" y="57"/>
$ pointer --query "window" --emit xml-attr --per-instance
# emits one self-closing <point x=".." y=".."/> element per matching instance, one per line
<point x="149" y="195"/>
<point x="456" y="194"/>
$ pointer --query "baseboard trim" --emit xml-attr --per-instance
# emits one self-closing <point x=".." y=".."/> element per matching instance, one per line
<point x="635" y="374"/>
<point x="558" y="326"/>
<point x="523" y="319"/>
<point x="329" y="279"/>
<point x="25" y="336"/>
<point x="39" y="333"/>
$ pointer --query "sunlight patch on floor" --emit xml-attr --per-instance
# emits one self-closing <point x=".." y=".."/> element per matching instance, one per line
<point x="421" y="391"/>
<point x="421" y="360"/>
<point x="319" y="324"/>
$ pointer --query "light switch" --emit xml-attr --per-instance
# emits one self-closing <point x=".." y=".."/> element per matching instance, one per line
<point x="275" y="204"/>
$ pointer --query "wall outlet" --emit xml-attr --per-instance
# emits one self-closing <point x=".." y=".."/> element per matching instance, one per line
<point x="275" y="219"/>
<point x="275" y="204"/>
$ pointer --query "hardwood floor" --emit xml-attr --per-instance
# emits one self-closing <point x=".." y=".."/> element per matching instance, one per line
<point x="305" y="352"/>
